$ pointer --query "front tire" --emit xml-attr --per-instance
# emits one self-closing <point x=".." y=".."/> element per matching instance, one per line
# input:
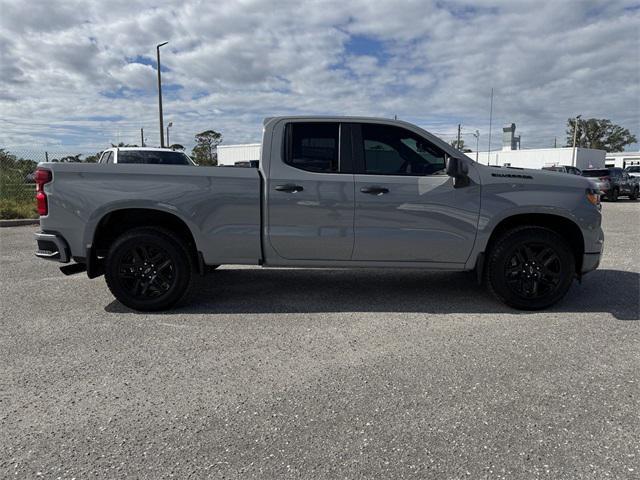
<point x="635" y="194"/>
<point x="530" y="268"/>
<point x="149" y="269"/>
<point x="614" y="195"/>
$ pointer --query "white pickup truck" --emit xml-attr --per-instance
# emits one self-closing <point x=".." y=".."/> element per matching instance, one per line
<point x="329" y="192"/>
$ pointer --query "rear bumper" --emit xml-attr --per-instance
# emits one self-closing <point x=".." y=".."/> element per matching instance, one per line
<point x="52" y="247"/>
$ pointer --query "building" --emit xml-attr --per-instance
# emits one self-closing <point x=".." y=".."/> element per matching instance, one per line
<point x="622" y="159"/>
<point x="512" y="156"/>
<point x="238" y="154"/>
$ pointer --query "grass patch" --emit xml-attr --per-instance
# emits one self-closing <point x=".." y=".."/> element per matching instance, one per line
<point x="10" y="209"/>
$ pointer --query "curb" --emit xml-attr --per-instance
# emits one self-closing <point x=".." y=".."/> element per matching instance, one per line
<point x="19" y="222"/>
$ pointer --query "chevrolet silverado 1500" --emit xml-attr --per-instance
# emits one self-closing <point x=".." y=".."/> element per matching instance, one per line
<point x="329" y="192"/>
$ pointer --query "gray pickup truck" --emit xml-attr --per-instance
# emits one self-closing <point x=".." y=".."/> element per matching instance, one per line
<point x="333" y="192"/>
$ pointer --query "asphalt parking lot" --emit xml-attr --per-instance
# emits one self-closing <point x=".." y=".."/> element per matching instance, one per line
<point x="321" y="374"/>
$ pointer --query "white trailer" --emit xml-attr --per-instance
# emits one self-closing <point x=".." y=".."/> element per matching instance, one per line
<point x="238" y="154"/>
<point x="537" y="158"/>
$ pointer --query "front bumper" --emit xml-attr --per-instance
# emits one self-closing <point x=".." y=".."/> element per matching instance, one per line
<point x="52" y="247"/>
<point x="591" y="260"/>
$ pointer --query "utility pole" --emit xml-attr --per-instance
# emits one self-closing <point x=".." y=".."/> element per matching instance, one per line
<point x="477" y="135"/>
<point x="555" y="142"/>
<point x="575" y="132"/>
<point x="490" y="123"/>
<point x="458" y="144"/>
<point x="160" y="93"/>
<point x="142" y="137"/>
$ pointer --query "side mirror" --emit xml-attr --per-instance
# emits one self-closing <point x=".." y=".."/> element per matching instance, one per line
<point x="451" y="166"/>
<point x="458" y="169"/>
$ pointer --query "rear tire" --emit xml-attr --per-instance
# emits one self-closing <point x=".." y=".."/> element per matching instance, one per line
<point x="635" y="194"/>
<point x="149" y="269"/>
<point x="530" y="268"/>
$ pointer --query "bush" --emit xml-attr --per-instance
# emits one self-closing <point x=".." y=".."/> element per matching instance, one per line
<point x="18" y="209"/>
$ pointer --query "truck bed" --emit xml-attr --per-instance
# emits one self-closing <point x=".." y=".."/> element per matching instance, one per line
<point x="220" y="205"/>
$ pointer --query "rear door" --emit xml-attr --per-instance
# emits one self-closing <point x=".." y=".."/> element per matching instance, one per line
<point x="407" y="209"/>
<point x="310" y="193"/>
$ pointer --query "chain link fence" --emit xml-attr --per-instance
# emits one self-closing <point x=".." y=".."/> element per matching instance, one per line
<point x="17" y="186"/>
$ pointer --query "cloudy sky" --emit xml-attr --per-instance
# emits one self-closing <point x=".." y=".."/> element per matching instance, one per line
<point x="77" y="75"/>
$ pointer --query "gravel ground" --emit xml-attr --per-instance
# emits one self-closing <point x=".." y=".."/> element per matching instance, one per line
<point x="321" y="374"/>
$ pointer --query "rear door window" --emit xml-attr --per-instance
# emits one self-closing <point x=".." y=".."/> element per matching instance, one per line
<point x="313" y="146"/>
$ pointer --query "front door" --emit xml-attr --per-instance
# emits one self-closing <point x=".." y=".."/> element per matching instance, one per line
<point x="407" y="209"/>
<point x="310" y="193"/>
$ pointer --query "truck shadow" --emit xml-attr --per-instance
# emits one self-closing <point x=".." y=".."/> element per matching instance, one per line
<point x="249" y="290"/>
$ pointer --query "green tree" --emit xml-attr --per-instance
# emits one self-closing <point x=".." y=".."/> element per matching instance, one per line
<point x="122" y="144"/>
<point x="204" y="153"/>
<point x="92" y="158"/>
<point x="13" y="167"/>
<point x="461" y="147"/>
<point x="600" y="134"/>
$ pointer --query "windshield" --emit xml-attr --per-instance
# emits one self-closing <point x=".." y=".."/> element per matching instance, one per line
<point x="595" y="173"/>
<point x="155" y="157"/>
<point x="633" y="169"/>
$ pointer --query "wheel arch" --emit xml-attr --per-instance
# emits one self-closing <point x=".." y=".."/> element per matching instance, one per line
<point x="114" y="223"/>
<point x="564" y="226"/>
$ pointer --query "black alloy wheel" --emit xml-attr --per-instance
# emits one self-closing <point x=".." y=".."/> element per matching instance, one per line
<point x="149" y="269"/>
<point x="146" y="271"/>
<point x="530" y="267"/>
<point x="534" y="270"/>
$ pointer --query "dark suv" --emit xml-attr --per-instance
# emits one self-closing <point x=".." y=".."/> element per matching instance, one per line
<point x="614" y="182"/>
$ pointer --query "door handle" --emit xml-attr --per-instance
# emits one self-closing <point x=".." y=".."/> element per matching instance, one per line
<point x="374" y="190"/>
<point x="289" y="188"/>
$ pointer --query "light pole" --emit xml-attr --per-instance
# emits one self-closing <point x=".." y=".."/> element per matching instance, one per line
<point x="160" y="93"/>
<point x="477" y="135"/>
<point x="575" y="132"/>
<point x="169" y="125"/>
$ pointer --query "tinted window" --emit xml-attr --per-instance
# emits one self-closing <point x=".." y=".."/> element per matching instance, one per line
<point x="633" y="169"/>
<point x="390" y="150"/>
<point x="153" y="157"/>
<point x="109" y="157"/>
<point x="595" y="173"/>
<point x="313" y="146"/>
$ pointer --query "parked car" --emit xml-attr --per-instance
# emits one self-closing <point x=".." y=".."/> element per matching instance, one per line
<point x="147" y="155"/>
<point x="613" y="182"/>
<point x="633" y="170"/>
<point x="328" y="192"/>
<point x="564" y="169"/>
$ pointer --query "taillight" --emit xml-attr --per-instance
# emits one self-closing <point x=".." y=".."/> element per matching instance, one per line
<point x="42" y="176"/>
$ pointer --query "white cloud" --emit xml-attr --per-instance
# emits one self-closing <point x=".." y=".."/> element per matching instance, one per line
<point x="430" y="62"/>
